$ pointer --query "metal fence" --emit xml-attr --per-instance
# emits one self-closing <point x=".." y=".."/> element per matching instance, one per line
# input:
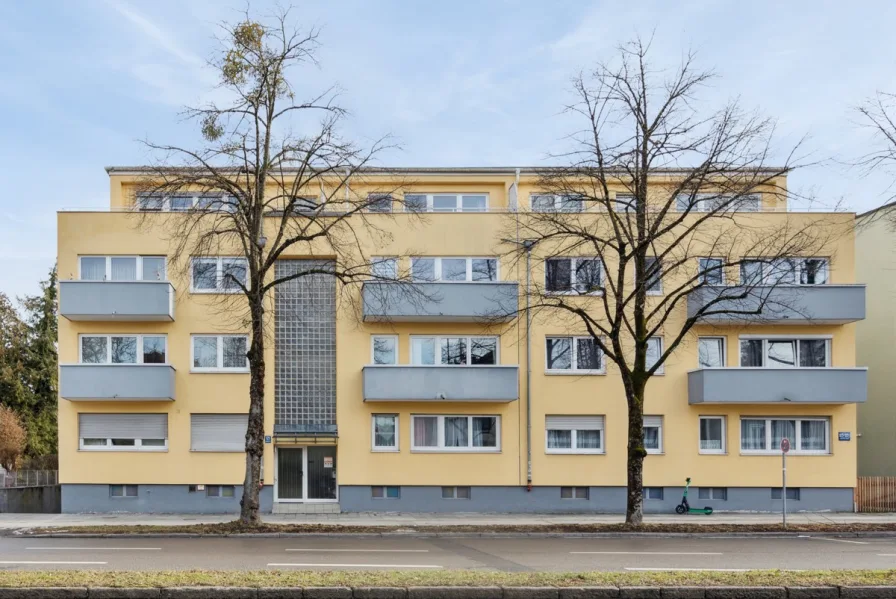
<point x="28" y="478"/>
<point x="876" y="494"/>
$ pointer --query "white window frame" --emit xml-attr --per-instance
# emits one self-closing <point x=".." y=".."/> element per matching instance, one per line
<point x="138" y="269"/>
<point x="454" y="494"/>
<point x="659" y="354"/>
<point x="440" y="434"/>
<point x="124" y="491"/>
<point x="109" y="337"/>
<point x="137" y="446"/>
<point x="720" y="270"/>
<point x="712" y="494"/>
<point x="628" y="207"/>
<point x="701" y="203"/>
<point x="372" y="198"/>
<point x="573" y="370"/>
<point x="374" y="260"/>
<point x="659" y="279"/>
<point x="437" y="268"/>
<point x="724" y="449"/>
<point x="723" y="340"/>
<point x="385" y="492"/>
<point x="219" y="274"/>
<point x="795" y="444"/>
<point x="458" y="204"/>
<point x="195" y="197"/>
<point x="660" y="436"/>
<point x="574" y="493"/>
<point x="558" y="202"/>
<point x="220" y="358"/>
<point x="767" y="278"/>
<point x="469" y="338"/>
<point x="577" y="287"/>
<point x="220" y="494"/>
<point x="373" y="339"/>
<point x="647" y="494"/>
<point x="573" y="450"/>
<point x="766" y="338"/>
<point x="385" y="449"/>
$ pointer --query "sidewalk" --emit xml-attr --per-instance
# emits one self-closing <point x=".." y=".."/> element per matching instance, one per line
<point x="17" y="521"/>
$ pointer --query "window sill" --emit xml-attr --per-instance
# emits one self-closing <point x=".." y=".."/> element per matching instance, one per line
<point x="575" y="372"/>
<point x="214" y="292"/>
<point x="649" y="452"/>
<point x="218" y="371"/>
<point x="460" y="451"/>
<point x="123" y="450"/>
<point x="573" y="294"/>
<point x="555" y="452"/>
<point x="777" y="453"/>
<point x="218" y="450"/>
<point x="712" y="453"/>
<point x="375" y="450"/>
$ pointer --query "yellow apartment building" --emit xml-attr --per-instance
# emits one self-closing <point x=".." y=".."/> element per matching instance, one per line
<point x="378" y="403"/>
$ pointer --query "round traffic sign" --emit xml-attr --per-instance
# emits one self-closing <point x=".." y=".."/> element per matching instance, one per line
<point x="785" y="444"/>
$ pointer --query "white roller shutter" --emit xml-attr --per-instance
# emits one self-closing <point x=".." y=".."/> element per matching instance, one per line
<point x="569" y="423"/>
<point x="123" y="426"/>
<point x="653" y="421"/>
<point x="218" y="432"/>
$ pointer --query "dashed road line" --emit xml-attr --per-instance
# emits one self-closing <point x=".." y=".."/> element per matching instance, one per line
<point x="352" y="566"/>
<point x="360" y="550"/>
<point x="643" y="553"/>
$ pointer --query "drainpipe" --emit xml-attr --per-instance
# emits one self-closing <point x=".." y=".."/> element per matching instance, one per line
<point x="528" y="244"/>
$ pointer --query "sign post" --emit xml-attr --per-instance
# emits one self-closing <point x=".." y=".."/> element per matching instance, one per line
<point x="785" y="447"/>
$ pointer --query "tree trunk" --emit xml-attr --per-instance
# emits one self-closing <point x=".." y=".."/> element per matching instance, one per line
<point x="634" y="509"/>
<point x="249" y="504"/>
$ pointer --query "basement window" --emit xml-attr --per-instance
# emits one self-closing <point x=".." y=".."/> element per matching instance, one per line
<point x="574" y="492"/>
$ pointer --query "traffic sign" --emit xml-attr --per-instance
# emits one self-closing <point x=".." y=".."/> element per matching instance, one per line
<point x="785" y="444"/>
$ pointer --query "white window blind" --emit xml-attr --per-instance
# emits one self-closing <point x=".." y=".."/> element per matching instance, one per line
<point x="569" y="423"/>
<point x="653" y="421"/>
<point x="125" y="426"/>
<point x="218" y="432"/>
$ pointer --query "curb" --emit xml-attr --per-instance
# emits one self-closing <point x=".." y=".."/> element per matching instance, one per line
<point x="451" y="593"/>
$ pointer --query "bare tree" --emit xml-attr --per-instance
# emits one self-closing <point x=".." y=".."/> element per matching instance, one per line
<point x="671" y="186"/>
<point x="879" y="114"/>
<point x="274" y="179"/>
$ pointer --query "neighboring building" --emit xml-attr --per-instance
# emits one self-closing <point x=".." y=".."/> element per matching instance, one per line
<point x="876" y="340"/>
<point x="363" y="413"/>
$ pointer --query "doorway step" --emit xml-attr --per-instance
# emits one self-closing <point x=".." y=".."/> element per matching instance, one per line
<point x="306" y="508"/>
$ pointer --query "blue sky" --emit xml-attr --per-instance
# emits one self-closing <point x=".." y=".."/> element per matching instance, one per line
<point x="457" y="83"/>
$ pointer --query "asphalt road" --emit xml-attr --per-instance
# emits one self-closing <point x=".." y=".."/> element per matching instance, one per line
<point x="431" y="553"/>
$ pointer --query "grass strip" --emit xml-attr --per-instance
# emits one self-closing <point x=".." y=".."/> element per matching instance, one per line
<point x="303" y="578"/>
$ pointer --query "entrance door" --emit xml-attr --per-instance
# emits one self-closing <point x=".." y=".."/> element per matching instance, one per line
<point x="290" y="474"/>
<point x="322" y="472"/>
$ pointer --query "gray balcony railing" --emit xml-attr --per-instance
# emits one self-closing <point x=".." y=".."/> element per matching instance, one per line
<point x="777" y="385"/>
<point x="440" y="302"/>
<point x="441" y="383"/>
<point x="794" y="304"/>
<point x="116" y="382"/>
<point x="125" y="301"/>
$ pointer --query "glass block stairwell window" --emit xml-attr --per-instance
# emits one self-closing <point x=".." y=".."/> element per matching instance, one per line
<point x="305" y="349"/>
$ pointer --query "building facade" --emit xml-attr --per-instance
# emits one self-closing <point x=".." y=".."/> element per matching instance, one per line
<point x="875" y="337"/>
<point x="377" y="401"/>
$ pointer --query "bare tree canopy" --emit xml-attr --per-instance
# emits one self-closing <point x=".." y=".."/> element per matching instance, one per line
<point x="879" y="114"/>
<point x="658" y="200"/>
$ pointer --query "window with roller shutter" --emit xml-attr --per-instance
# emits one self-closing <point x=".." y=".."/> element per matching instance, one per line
<point x="123" y="432"/>
<point x="218" y="432"/>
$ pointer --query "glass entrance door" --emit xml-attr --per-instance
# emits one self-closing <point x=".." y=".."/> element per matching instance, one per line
<point x="322" y="472"/>
<point x="290" y="473"/>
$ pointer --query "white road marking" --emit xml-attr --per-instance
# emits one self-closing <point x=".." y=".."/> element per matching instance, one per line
<point x="833" y="540"/>
<point x="362" y="550"/>
<point x="351" y="566"/>
<point x="641" y="553"/>
<point x="27" y="563"/>
<point x="94" y="548"/>
<point x="887" y="554"/>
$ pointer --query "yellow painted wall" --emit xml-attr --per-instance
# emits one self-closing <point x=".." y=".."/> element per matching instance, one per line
<point x="437" y="235"/>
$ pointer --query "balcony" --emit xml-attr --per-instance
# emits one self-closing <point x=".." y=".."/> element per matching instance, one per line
<point x="123" y="301"/>
<point x="777" y="385"/>
<point x="791" y="304"/>
<point x="394" y="301"/>
<point x="441" y="383"/>
<point x="116" y="382"/>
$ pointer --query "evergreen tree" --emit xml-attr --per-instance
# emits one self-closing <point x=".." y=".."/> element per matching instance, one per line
<point x="41" y="368"/>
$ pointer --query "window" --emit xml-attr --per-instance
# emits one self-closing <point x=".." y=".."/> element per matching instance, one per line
<point x="653" y="493"/>
<point x="653" y="434"/>
<point x="379" y="202"/>
<point x="712" y="271"/>
<point x="218" y="432"/>
<point x="806" y="435"/>
<point x="653" y="276"/>
<point x="182" y="202"/>
<point x="708" y="202"/>
<point x="218" y="275"/>
<point x="224" y="491"/>
<point x="454" y="351"/>
<point x="711" y="352"/>
<point x="385" y="432"/>
<point x="573" y="275"/>
<point x="123" y="432"/>
<point x="455" y="492"/>
<point x="654" y="352"/>
<point x="123" y="349"/>
<point x="574" y="434"/>
<point x="793" y="493"/>
<point x="384" y="349"/>
<point x="220" y="353"/>
<point x="456" y="433"/>
<point x="574" y="492"/>
<point x="454" y="269"/>
<point x="712" y="493"/>
<point x="384" y="267"/>
<point x="785" y="271"/>
<point x="712" y="434"/>
<point x="124" y="491"/>
<point x="122" y="268"/>
<point x="785" y="353"/>
<point x="625" y="203"/>
<point x="385" y="492"/>
<point x="446" y="202"/>
<point x="574" y="355"/>
<point x="545" y="202"/>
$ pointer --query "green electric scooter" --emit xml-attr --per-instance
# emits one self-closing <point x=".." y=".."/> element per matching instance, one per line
<point x="685" y="508"/>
